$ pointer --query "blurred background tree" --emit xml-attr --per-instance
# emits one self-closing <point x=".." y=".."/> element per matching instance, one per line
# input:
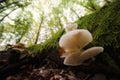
<point x="34" y="21"/>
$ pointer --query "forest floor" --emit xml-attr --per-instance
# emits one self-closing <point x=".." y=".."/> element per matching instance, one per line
<point x="49" y="69"/>
<point x="44" y="73"/>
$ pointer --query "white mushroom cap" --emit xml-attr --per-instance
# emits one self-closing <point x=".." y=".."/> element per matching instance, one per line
<point x="82" y="37"/>
<point x="70" y="27"/>
<point x="77" y="58"/>
<point x="73" y="59"/>
<point x="91" y="52"/>
<point x="66" y="41"/>
<point x="75" y="39"/>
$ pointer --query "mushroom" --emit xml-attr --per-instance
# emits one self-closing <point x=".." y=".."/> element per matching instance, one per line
<point x="74" y="40"/>
<point x="72" y="59"/>
<point x="65" y="54"/>
<point x="70" y="27"/>
<point x="72" y="44"/>
<point x="79" y="57"/>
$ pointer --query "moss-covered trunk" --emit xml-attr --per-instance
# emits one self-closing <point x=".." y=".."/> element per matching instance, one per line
<point x="105" y="27"/>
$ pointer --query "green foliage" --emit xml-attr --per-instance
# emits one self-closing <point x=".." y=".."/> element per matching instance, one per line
<point x="17" y="29"/>
<point x="104" y="25"/>
<point x="49" y="44"/>
<point x="23" y="23"/>
<point x="91" y="5"/>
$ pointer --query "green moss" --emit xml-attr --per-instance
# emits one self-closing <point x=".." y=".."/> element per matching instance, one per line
<point x="105" y="28"/>
<point x="104" y="25"/>
<point x="49" y="44"/>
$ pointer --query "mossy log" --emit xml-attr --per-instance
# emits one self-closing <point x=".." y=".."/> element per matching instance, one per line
<point x="105" y="28"/>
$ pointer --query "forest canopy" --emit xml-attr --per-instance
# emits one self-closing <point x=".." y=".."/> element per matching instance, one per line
<point x="34" y="21"/>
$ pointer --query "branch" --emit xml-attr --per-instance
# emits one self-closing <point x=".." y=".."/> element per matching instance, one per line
<point x="1" y="31"/>
<point x="108" y="1"/>
<point x="7" y="14"/>
<point x="92" y="5"/>
<point x="9" y="4"/>
<point x="87" y="7"/>
<point x="37" y="36"/>
<point x="75" y="13"/>
<point x="60" y="23"/>
<point x="22" y="35"/>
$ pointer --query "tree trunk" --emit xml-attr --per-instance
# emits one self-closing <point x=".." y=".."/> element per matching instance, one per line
<point x="38" y="33"/>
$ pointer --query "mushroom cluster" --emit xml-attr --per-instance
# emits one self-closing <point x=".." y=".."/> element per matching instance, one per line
<point x="72" y="44"/>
